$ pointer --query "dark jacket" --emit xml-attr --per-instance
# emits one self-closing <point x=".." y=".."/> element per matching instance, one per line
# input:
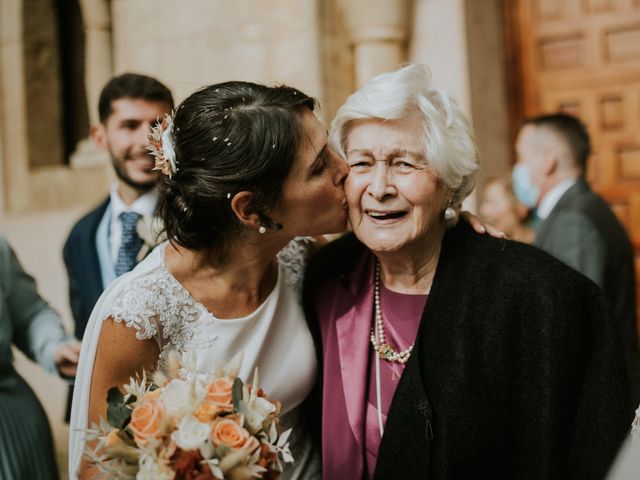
<point x="83" y="267"/>
<point x="516" y="373"/>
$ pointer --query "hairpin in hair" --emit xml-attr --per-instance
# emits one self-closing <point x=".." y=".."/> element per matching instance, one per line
<point x="161" y="146"/>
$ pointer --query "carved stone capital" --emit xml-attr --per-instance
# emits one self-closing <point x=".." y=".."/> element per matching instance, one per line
<point x="377" y="20"/>
<point x="378" y="30"/>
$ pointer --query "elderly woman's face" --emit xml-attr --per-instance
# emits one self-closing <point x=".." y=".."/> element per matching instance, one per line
<point x="395" y="199"/>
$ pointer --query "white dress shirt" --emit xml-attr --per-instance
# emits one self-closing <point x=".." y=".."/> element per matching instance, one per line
<point x="550" y="200"/>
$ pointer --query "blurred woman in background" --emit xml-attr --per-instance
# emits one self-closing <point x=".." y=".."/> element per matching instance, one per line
<point x="501" y="208"/>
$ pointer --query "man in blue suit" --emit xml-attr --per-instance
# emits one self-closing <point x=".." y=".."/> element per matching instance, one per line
<point x="104" y="243"/>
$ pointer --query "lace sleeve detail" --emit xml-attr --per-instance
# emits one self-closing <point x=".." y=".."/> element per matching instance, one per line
<point x="135" y="307"/>
<point x="158" y="307"/>
<point x="130" y="310"/>
<point x="293" y="257"/>
<point x="635" y="426"/>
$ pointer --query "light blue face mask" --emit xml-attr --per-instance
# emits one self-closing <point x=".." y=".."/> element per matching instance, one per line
<point x="526" y="192"/>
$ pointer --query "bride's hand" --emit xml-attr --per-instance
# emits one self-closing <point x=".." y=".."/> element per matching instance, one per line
<point x="480" y="227"/>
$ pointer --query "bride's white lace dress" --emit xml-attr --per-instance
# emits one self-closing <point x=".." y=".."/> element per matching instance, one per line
<point x="274" y="338"/>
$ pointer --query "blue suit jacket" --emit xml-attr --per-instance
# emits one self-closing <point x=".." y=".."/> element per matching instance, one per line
<point x="83" y="267"/>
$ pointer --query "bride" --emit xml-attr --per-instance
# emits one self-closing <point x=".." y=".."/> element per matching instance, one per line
<point x="247" y="170"/>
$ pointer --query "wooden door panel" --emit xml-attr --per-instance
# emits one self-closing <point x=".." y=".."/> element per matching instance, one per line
<point x="583" y="57"/>
<point x="612" y="116"/>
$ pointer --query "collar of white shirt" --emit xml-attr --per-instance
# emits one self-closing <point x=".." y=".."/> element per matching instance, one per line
<point x="550" y="200"/>
<point x="144" y="205"/>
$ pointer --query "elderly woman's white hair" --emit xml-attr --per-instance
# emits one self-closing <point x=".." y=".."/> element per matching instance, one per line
<point x="449" y="145"/>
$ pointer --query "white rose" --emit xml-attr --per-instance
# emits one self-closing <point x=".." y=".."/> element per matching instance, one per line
<point x="257" y="413"/>
<point x="151" y="469"/>
<point x="193" y="434"/>
<point x="179" y="398"/>
<point x="263" y="406"/>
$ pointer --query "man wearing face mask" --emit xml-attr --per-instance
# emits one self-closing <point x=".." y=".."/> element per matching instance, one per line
<point x="576" y="225"/>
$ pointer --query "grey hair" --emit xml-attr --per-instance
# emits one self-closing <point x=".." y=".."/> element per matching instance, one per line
<point x="449" y="144"/>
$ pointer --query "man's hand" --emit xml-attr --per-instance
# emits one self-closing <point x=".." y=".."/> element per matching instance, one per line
<point x="66" y="358"/>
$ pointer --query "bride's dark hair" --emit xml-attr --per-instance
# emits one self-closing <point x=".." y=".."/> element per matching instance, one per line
<point x="229" y="137"/>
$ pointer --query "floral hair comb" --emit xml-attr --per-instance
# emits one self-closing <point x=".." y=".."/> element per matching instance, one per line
<point x="161" y="146"/>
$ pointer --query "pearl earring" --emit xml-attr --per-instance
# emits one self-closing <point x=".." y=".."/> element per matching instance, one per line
<point x="262" y="229"/>
<point x="450" y="212"/>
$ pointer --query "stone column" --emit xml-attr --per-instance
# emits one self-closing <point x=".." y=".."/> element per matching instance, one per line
<point x="461" y="41"/>
<point x="13" y="107"/>
<point x="96" y="17"/>
<point x="378" y="31"/>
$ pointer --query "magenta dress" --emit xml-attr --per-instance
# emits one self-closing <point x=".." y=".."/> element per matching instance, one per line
<point x="401" y="313"/>
<point x="350" y="440"/>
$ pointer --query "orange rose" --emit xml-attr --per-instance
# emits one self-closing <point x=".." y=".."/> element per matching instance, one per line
<point x="208" y="410"/>
<point x="228" y="431"/>
<point x="220" y="391"/>
<point x="148" y="419"/>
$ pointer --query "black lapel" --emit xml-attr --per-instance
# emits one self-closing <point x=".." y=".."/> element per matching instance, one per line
<point x="406" y="446"/>
<point x="408" y="431"/>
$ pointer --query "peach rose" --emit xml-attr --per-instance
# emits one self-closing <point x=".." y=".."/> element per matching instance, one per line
<point x="228" y="431"/>
<point x="148" y="418"/>
<point x="220" y="391"/>
<point x="208" y="410"/>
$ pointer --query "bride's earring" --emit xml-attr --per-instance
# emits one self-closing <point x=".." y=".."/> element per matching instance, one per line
<point x="266" y="222"/>
<point x="450" y="213"/>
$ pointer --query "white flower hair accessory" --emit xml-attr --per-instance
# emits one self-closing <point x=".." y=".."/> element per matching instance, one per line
<point x="161" y="146"/>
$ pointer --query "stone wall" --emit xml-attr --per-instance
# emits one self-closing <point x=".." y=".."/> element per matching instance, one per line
<point x="270" y="41"/>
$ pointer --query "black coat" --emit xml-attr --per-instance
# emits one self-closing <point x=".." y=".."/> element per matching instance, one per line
<point x="516" y="373"/>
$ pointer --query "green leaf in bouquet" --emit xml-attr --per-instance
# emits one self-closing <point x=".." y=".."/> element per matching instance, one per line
<point x="118" y="416"/>
<point x="114" y="396"/>
<point x="236" y="394"/>
<point x="118" y="413"/>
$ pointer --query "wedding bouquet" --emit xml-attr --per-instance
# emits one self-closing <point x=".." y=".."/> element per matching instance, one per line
<point x="186" y="425"/>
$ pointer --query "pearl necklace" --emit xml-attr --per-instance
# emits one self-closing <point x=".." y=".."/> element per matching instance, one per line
<point x="385" y="350"/>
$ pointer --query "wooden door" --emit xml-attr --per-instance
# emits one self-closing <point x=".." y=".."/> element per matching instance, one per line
<point x="583" y="57"/>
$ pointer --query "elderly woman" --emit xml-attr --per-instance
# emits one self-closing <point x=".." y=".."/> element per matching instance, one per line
<point x="447" y="354"/>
